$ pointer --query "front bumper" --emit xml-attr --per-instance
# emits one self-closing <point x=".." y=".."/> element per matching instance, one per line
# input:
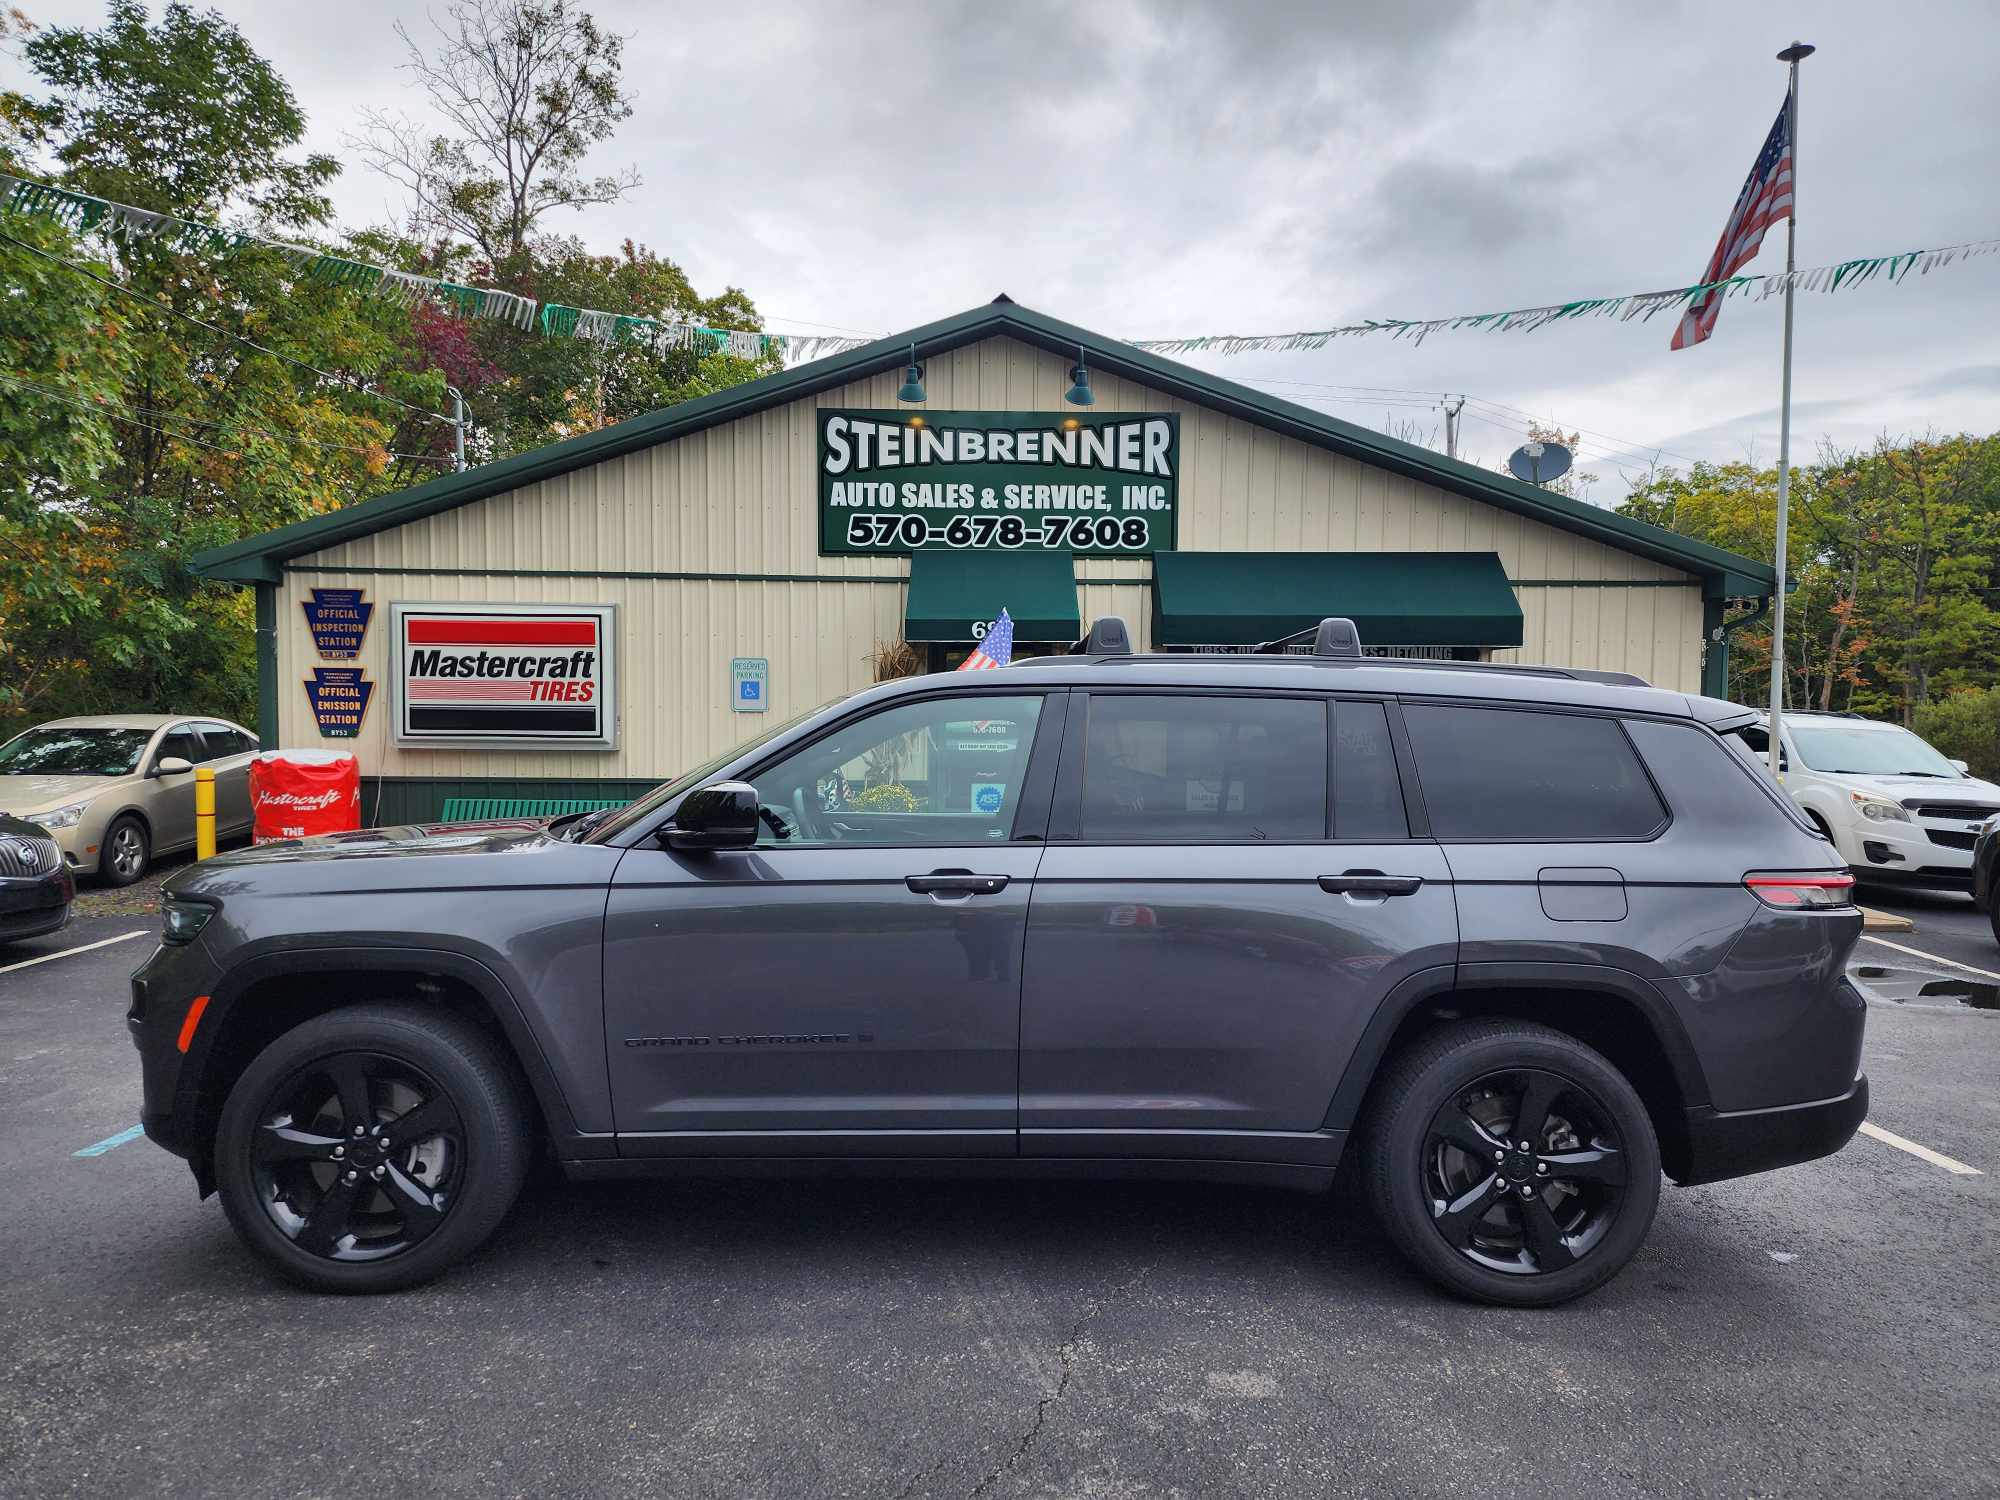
<point x="164" y="988"/>
<point x="1930" y="852"/>
<point x="31" y="907"/>
<point x="1736" y="1143"/>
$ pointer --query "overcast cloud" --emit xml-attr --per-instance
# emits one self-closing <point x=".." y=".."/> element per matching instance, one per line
<point x="1165" y="169"/>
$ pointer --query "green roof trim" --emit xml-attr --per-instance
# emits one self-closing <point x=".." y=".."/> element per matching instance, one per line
<point x="260" y="559"/>
<point x="1393" y="598"/>
<point x="951" y="591"/>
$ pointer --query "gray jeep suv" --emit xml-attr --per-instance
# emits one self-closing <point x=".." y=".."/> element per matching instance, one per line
<point x="1525" y="937"/>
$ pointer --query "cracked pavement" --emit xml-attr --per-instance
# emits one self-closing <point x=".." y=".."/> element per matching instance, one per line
<point x="1832" y="1329"/>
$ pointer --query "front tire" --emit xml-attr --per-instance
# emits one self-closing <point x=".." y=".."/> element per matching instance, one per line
<point x="126" y="853"/>
<point x="1511" y="1163"/>
<point x="371" y="1148"/>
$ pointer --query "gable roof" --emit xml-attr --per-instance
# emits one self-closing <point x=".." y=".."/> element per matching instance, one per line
<point x="258" y="559"/>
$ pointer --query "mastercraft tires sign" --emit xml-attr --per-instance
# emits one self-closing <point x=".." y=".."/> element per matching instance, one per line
<point x="1106" y="484"/>
<point x="523" y="675"/>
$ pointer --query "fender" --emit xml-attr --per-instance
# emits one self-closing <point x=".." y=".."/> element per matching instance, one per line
<point x="500" y="1000"/>
<point x="1430" y="984"/>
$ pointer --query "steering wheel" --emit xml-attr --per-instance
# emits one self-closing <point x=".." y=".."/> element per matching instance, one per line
<point x="807" y="818"/>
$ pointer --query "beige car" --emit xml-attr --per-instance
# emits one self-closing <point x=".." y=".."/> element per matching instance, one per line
<point x="118" y="789"/>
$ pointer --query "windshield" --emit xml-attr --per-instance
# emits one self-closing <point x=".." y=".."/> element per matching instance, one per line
<point x="625" y="817"/>
<point x="74" y="752"/>
<point x="1868" y="752"/>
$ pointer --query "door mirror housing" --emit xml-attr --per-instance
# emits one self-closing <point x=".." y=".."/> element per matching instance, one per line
<point x="720" y="816"/>
<point x="172" y="765"/>
<point x="1961" y="767"/>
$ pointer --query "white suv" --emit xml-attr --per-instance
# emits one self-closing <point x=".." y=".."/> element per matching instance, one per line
<point x="1895" y="809"/>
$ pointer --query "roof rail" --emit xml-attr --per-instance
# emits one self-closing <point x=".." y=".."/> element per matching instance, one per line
<point x="1333" y="636"/>
<point x="1108" y="637"/>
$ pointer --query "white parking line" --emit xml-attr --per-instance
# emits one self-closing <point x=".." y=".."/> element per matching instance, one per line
<point x="1931" y="957"/>
<point x="1923" y="1153"/>
<point x="49" y="958"/>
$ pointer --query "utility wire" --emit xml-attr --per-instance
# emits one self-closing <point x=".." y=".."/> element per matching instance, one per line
<point x="118" y="408"/>
<point x="352" y="382"/>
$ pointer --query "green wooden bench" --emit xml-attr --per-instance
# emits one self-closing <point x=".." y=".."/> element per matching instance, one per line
<point x="477" y="809"/>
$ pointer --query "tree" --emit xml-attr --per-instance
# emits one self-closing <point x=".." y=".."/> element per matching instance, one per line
<point x="529" y="88"/>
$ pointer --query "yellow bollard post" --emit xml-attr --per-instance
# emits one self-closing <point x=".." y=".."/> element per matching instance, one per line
<point x="204" y="812"/>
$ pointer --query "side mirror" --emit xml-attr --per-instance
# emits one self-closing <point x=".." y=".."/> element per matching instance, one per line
<point x="722" y="816"/>
<point x="1961" y="767"/>
<point x="172" y="765"/>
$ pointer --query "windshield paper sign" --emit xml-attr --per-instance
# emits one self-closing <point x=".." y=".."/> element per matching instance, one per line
<point x="503" y="674"/>
<point x="1105" y="484"/>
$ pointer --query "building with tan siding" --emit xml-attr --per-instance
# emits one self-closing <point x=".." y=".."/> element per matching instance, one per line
<point x="807" y="520"/>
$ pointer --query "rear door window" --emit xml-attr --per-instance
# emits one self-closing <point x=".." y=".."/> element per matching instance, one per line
<point x="1204" y="769"/>
<point x="1511" y="774"/>
<point x="1367" y="790"/>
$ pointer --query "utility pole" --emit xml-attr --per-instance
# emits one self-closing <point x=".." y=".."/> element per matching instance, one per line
<point x="457" y="426"/>
<point x="1452" y="408"/>
<point x="1791" y="57"/>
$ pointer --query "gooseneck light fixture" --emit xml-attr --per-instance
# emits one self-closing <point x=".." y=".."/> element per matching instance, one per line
<point x="1079" y="393"/>
<point x="913" y="380"/>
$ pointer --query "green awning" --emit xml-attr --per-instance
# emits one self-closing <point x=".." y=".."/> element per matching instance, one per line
<point x="1393" y="598"/>
<point x="951" y="590"/>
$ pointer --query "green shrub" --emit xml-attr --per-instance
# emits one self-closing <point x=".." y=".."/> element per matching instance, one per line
<point x="1965" y="726"/>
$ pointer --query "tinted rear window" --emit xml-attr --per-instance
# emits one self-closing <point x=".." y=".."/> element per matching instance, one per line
<point x="1493" y="773"/>
<point x="1367" y="791"/>
<point x="1195" y="769"/>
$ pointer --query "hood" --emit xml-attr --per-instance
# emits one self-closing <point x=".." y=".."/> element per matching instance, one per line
<point x="1924" y="788"/>
<point x="499" y="836"/>
<point x="24" y="794"/>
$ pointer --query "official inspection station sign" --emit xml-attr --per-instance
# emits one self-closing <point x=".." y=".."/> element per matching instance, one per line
<point x="1105" y="484"/>
<point x="522" y="675"/>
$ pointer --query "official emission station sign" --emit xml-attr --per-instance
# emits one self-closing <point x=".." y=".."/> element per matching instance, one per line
<point x="1105" y="484"/>
<point x="525" y="675"/>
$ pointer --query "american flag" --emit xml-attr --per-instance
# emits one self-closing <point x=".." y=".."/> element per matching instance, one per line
<point x="1765" y="199"/>
<point x="996" y="650"/>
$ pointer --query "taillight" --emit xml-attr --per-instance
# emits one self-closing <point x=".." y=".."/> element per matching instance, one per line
<point x="1790" y="892"/>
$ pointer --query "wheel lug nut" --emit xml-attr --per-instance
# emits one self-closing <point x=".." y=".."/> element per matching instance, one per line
<point x="379" y="1173"/>
<point x="1526" y="1191"/>
<point x="1524" y="1145"/>
<point x="1542" y="1167"/>
<point x="349" y="1176"/>
<point x="360" y="1131"/>
<point x="1499" y="1155"/>
<point x="339" y="1152"/>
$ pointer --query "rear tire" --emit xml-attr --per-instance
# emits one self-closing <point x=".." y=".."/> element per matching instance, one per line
<point x="1453" y="1188"/>
<point x="371" y="1148"/>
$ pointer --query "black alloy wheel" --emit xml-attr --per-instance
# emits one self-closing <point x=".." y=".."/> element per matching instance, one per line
<point x="371" y="1147"/>
<point x="1510" y="1162"/>
<point x="358" y="1156"/>
<point x="1525" y="1172"/>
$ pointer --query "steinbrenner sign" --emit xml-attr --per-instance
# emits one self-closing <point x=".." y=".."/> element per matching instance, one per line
<point x="522" y="675"/>
<point x="1106" y="484"/>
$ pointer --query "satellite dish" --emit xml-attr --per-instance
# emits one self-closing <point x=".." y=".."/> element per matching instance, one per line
<point x="1538" y="463"/>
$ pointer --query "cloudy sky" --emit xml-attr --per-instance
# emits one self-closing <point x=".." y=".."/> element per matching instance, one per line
<point x="1155" y="168"/>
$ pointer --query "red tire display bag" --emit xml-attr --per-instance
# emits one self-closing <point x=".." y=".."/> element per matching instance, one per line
<point x="295" y="794"/>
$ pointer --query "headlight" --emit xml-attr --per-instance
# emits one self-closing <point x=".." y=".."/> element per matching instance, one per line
<point x="181" y="920"/>
<point x="62" y="817"/>
<point x="1878" y="810"/>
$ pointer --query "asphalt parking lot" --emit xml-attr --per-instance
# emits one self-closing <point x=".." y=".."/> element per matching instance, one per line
<point x="1831" y="1329"/>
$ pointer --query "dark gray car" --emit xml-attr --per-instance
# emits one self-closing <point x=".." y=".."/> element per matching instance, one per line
<point x="1524" y="937"/>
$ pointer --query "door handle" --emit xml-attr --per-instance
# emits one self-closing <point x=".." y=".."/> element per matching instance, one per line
<point x="1370" y="883"/>
<point x="955" y="883"/>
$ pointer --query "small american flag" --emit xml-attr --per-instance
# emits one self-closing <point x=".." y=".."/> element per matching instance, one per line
<point x="994" y="651"/>
<point x="1765" y="199"/>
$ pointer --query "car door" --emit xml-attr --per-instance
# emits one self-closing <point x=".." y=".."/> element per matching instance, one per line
<point x="853" y="983"/>
<point x="228" y="750"/>
<point x="1212" y="931"/>
<point x="170" y="798"/>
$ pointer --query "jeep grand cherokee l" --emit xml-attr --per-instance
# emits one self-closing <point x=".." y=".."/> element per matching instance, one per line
<point x="1522" y="938"/>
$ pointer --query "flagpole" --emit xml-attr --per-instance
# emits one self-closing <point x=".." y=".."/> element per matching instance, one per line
<point x="1792" y="56"/>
